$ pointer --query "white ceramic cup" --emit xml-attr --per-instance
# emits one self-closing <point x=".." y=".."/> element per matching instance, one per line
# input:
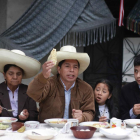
<point x="31" y="125"/>
<point x="114" y="122"/>
<point x="138" y="129"/>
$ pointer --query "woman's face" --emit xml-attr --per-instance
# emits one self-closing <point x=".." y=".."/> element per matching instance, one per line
<point x="13" y="76"/>
<point x="101" y="93"/>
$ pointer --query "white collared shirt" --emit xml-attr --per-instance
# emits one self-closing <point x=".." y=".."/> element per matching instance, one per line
<point x="103" y="109"/>
<point x="13" y="100"/>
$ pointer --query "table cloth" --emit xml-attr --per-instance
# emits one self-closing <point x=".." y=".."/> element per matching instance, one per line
<point x="60" y="136"/>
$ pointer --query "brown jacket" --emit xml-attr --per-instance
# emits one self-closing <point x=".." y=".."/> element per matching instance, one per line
<point x="50" y="94"/>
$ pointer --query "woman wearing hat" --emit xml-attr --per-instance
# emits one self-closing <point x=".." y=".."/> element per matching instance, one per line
<point x="64" y="95"/>
<point x="15" y="66"/>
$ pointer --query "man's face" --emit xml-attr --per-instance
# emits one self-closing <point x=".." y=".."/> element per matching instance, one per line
<point x="69" y="71"/>
<point x="137" y="74"/>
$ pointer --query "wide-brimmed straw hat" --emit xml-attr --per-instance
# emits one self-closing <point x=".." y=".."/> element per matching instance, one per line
<point x="29" y="65"/>
<point x="69" y="52"/>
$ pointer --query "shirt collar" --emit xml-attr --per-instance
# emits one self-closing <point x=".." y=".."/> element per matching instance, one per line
<point x="10" y="89"/>
<point x="102" y="105"/>
<point x="65" y="86"/>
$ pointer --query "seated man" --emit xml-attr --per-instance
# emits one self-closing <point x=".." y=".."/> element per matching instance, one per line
<point x="130" y="95"/>
<point x="63" y="95"/>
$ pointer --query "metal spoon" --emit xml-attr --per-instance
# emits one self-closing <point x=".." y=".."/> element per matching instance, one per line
<point x="9" y="110"/>
<point x="34" y="133"/>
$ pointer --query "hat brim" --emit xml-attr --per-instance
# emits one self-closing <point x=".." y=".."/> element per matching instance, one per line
<point x="30" y="66"/>
<point x="82" y="58"/>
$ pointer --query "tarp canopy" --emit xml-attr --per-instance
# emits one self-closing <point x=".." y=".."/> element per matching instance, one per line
<point x="133" y="19"/>
<point x="68" y="22"/>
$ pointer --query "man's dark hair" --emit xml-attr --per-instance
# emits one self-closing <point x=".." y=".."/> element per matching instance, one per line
<point x="61" y="62"/>
<point x="7" y="67"/>
<point x="137" y="60"/>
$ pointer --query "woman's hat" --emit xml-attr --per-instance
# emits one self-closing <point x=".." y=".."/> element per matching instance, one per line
<point x="69" y="52"/>
<point x="30" y="66"/>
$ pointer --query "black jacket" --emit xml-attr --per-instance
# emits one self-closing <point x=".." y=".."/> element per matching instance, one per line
<point x="24" y="102"/>
<point x="130" y="95"/>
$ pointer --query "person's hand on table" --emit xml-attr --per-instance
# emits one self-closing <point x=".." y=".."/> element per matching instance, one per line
<point x="0" y="109"/>
<point x="136" y="109"/>
<point x="25" y="115"/>
<point x="77" y="114"/>
<point x="102" y="119"/>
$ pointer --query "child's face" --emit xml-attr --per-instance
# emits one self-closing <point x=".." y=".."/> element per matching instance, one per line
<point x="101" y="93"/>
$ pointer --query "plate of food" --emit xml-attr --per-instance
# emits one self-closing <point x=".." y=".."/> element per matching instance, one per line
<point x="56" y="122"/>
<point x="7" y="120"/>
<point x="132" y="122"/>
<point x="40" y="134"/>
<point x="3" y="126"/>
<point x="96" y="124"/>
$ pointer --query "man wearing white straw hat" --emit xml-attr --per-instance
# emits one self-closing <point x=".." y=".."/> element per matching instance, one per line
<point x="63" y="95"/>
<point x="14" y="102"/>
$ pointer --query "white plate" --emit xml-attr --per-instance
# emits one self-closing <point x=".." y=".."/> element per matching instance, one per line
<point x="7" y="120"/>
<point x="91" y="123"/>
<point x="2" y="132"/>
<point x="44" y="134"/>
<point x="49" y="122"/>
<point x="115" y="133"/>
<point x="132" y="122"/>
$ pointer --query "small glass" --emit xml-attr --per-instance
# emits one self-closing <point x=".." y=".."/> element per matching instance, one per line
<point x="138" y="129"/>
<point x="123" y="125"/>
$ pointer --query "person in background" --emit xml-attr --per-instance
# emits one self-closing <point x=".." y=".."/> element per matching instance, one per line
<point x="130" y="95"/>
<point x="105" y="106"/>
<point x="63" y="95"/>
<point x="15" y="66"/>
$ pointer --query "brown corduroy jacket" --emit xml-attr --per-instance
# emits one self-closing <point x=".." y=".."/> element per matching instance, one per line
<point x="51" y="97"/>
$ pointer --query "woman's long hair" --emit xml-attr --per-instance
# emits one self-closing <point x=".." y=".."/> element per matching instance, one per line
<point x="110" y="103"/>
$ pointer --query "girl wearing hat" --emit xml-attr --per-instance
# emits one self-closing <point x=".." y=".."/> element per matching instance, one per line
<point x="15" y="66"/>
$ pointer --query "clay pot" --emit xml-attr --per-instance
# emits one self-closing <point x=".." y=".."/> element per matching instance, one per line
<point x="83" y="134"/>
<point x="17" y="125"/>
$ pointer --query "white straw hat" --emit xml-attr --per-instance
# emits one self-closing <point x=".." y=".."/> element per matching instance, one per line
<point x="30" y="66"/>
<point x="69" y="52"/>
